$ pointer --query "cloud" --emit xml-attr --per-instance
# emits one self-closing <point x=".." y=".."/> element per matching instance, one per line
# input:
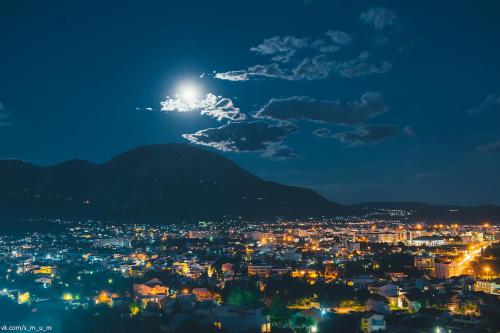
<point x="410" y="131"/>
<point x="322" y="133"/>
<point x="280" y="152"/>
<point x="312" y="69"/>
<point x="380" y="17"/>
<point x="334" y="42"/>
<point x="4" y="115"/>
<point x="214" y="106"/>
<point x="371" y="104"/>
<point x="272" y="70"/>
<point x="293" y="58"/>
<point x="252" y="136"/>
<point x="238" y="75"/>
<point x="431" y="175"/>
<point x="339" y="37"/>
<point x="493" y="147"/>
<point x="360" y="66"/>
<point x="315" y="68"/>
<point x="364" y="69"/>
<point x="282" y="49"/>
<point x="368" y="134"/>
<point x="489" y="102"/>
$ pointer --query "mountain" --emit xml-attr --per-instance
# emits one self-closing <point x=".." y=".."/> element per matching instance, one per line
<point x="154" y="183"/>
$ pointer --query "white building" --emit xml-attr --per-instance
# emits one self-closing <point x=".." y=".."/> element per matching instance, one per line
<point x="372" y="323"/>
<point x="428" y="241"/>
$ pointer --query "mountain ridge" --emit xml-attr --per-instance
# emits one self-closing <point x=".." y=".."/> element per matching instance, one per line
<point x="167" y="183"/>
<point x="155" y="183"/>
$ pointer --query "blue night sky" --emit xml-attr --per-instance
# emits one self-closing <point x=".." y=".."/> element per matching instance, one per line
<point x="359" y="100"/>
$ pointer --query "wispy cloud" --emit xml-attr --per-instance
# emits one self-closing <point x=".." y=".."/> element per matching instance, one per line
<point x="281" y="49"/>
<point x="4" y="116"/>
<point x="360" y="67"/>
<point x="280" y="152"/>
<point x="368" y="134"/>
<point x="379" y="17"/>
<point x="217" y="107"/>
<point x="410" y="131"/>
<point x="491" y="101"/>
<point x="351" y="113"/>
<point x="339" y="37"/>
<point x="493" y="147"/>
<point x="313" y="68"/>
<point x="300" y="58"/>
<point x="431" y="175"/>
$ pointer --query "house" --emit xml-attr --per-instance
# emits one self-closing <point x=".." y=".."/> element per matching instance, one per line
<point x="223" y="318"/>
<point x="151" y="288"/>
<point x="372" y="323"/>
<point x="267" y="270"/>
<point x="227" y="269"/>
<point x="386" y="290"/>
<point x="232" y="319"/>
<point x="45" y="281"/>
<point x="363" y="280"/>
<point x="378" y="304"/>
<point x="202" y="294"/>
<point x="414" y="300"/>
<point x="151" y="292"/>
<point x="424" y="262"/>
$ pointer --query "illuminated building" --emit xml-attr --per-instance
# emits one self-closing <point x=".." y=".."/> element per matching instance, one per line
<point x="372" y="323"/>
<point x="261" y="270"/>
<point x="181" y="267"/>
<point x="104" y="297"/>
<point x="44" y="270"/>
<point x="445" y="269"/>
<point x="489" y="287"/>
<point x="45" y="281"/>
<point x="428" y="241"/>
<point x="112" y="242"/>
<point x="202" y="294"/>
<point x="305" y="272"/>
<point x="151" y="288"/>
<point x="424" y="262"/>
<point x="227" y="268"/>
<point x="23" y="298"/>
<point x="266" y="270"/>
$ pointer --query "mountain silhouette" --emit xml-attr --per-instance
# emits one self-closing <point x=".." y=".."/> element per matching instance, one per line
<point x="156" y="183"/>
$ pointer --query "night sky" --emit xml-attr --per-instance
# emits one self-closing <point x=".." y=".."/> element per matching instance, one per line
<point x="359" y="100"/>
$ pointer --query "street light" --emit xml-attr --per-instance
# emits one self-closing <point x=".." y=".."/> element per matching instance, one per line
<point x="487" y="270"/>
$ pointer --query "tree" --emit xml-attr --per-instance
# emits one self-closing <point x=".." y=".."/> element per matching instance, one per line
<point x="301" y="324"/>
<point x="244" y="297"/>
<point x="279" y="313"/>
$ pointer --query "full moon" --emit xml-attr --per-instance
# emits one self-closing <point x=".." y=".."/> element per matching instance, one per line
<point x="189" y="92"/>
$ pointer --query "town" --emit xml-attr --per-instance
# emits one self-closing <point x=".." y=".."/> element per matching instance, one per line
<point x="356" y="274"/>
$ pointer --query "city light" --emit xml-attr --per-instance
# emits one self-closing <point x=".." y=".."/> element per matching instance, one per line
<point x="67" y="296"/>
